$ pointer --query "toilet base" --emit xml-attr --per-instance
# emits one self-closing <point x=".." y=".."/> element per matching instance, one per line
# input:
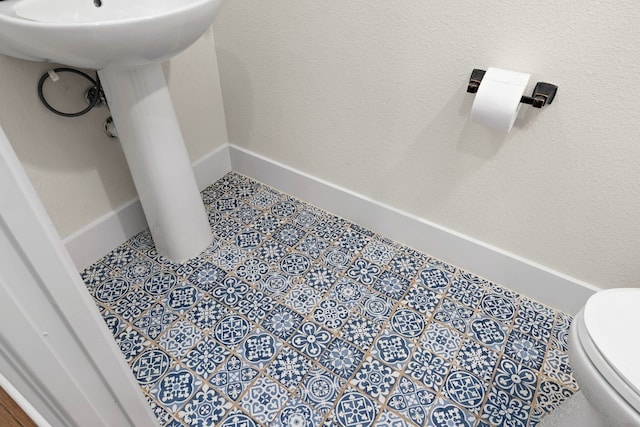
<point x="596" y="378"/>
<point x="574" y="412"/>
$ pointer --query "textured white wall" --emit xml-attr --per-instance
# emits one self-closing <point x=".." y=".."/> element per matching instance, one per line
<point x="370" y="95"/>
<point x="78" y="172"/>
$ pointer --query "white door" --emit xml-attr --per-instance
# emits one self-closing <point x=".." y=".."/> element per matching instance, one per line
<point x="54" y="347"/>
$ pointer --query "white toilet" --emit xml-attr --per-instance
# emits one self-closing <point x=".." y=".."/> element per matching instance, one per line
<point x="604" y="349"/>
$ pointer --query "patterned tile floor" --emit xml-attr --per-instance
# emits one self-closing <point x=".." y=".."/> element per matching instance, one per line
<point x="296" y="317"/>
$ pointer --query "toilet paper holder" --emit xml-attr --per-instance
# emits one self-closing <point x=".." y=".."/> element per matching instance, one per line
<point x="543" y="93"/>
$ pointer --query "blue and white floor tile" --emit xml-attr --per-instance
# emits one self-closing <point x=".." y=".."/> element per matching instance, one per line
<point x="295" y="317"/>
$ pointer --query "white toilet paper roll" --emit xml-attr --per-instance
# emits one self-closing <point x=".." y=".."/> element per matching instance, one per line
<point x="497" y="101"/>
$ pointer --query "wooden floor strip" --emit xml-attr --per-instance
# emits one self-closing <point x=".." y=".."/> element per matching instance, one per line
<point x="12" y="415"/>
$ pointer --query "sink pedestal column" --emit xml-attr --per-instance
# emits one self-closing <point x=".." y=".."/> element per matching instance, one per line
<point x="153" y="145"/>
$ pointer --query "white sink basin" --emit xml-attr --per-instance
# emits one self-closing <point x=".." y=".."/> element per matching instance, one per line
<point x="125" y="40"/>
<point x="119" y="33"/>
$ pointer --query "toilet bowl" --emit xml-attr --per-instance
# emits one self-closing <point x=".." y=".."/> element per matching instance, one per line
<point x="604" y="349"/>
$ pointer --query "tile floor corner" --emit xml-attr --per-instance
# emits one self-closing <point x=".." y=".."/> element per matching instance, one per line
<point x="296" y="317"/>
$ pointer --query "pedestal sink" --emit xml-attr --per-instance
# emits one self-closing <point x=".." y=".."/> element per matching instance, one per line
<point x="126" y="40"/>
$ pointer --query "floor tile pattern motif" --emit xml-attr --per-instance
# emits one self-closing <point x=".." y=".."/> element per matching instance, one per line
<point x="296" y="317"/>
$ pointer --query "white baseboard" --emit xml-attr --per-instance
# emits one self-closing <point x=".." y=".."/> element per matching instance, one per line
<point x="528" y="278"/>
<point x="534" y="280"/>
<point x="97" y="239"/>
<point x="108" y="232"/>
<point x="212" y="167"/>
